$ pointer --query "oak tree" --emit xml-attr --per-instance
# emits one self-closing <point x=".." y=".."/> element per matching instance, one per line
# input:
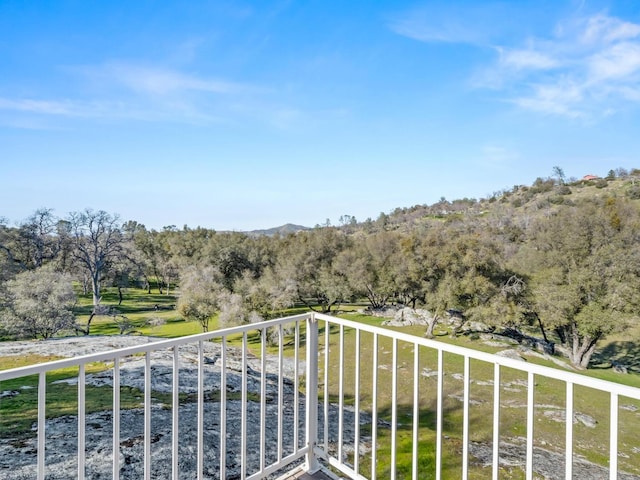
<point x="38" y="304"/>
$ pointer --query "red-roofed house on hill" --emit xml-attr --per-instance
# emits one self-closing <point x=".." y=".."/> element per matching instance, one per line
<point x="590" y="177"/>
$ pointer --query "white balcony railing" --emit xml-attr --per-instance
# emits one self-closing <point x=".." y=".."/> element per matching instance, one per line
<point x="324" y="393"/>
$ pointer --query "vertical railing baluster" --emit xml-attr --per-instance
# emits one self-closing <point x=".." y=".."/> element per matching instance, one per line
<point x="223" y="408"/>
<point x="147" y="416"/>
<point x="42" y="401"/>
<point x="280" y="388"/>
<point x="200" y="415"/>
<point x="356" y="446"/>
<point x="374" y="408"/>
<point x="312" y="463"/>
<point x="416" y="409"/>
<point x="175" y="413"/>
<point x="568" y="466"/>
<point x="82" y="451"/>
<point x="465" y="420"/>
<point x="439" y="415"/>
<point x="243" y="417"/>
<point x="394" y="407"/>
<point x="341" y="396"/>
<point x="613" y="437"/>
<point x="263" y="397"/>
<point x="496" y="421"/>
<point x="530" y="418"/>
<point x="296" y="388"/>
<point x="327" y="328"/>
<point x="116" y="419"/>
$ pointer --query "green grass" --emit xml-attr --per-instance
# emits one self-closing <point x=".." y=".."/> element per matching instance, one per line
<point x="140" y="308"/>
<point x="18" y="413"/>
<point x="590" y="443"/>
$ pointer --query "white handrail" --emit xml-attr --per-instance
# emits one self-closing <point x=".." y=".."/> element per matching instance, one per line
<point x="153" y="345"/>
<point x="576" y="378"/>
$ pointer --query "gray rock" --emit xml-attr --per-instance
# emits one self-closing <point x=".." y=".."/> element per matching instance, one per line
<point x="619" y="367"/>
<point x="18" y="455"/>
<point x="560" y="416"/>
<point x="472" y="401"/>
<point x="9" y="393"/>
<point x="18" y="462"/>
<point x="510" y="353"/>
<point x="546" y="464"/>
<point x="587" y="420"/>
<point x="408" y="316"/>
<point x="426" y="372"/>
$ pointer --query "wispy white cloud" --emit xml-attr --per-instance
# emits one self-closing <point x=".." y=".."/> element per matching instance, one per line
<point x="563" y="99"/>
<point x="619" y="61"/>
<point x="119" y="90"/>
<point x="450" y="32"/>
<point x="513" y="65"/>
<point x="186" y="52"/>
<point x="630" y="93"/>
<point x="46" y="107"/>
<point x="450" y="23"/>
<point x="105" y="109"/>
<point x="596" y="70"/>
<point x="526" y="59"/>
<point x="285" y="118"/>
<point x="601" y="28"/>
<point x="154" y="80"/>
<point x="586" y="68"/>
<point x="497" y="156"/>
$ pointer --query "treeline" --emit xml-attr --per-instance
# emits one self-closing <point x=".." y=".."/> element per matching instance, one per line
<point x="564" y="260"/>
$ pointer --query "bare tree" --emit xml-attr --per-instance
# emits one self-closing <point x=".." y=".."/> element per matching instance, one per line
<point x="97" y="244"/>
<point x="38" y="239"/>
<point x="9" y="265"/>
<point x="559" y="172"/>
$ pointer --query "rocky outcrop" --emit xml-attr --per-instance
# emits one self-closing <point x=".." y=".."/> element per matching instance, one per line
<point x="408" y="316"/>
<point x="546" y="464"/>
<point x="17" y="455"/>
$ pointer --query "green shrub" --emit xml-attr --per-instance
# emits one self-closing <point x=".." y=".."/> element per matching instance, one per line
<point x="634" y="192"/>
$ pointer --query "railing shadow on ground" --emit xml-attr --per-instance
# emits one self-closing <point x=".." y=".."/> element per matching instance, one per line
<point x="620" y="354"/>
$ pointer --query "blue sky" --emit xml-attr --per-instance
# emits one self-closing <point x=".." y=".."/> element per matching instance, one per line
<point x="244" y="115"/>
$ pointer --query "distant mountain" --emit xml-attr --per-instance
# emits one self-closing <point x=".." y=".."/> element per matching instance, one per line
<point x="282" y="230"/>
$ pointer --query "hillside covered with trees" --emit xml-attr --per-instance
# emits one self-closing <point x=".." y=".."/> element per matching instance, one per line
<point x="561" y="257"/>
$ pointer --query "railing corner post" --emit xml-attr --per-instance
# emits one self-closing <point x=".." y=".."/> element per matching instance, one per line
<point x="312" y="463"/>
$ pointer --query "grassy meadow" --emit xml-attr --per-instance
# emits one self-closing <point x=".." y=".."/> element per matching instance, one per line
<point x="589" y="443"/>
<point x="154" y="314"/>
